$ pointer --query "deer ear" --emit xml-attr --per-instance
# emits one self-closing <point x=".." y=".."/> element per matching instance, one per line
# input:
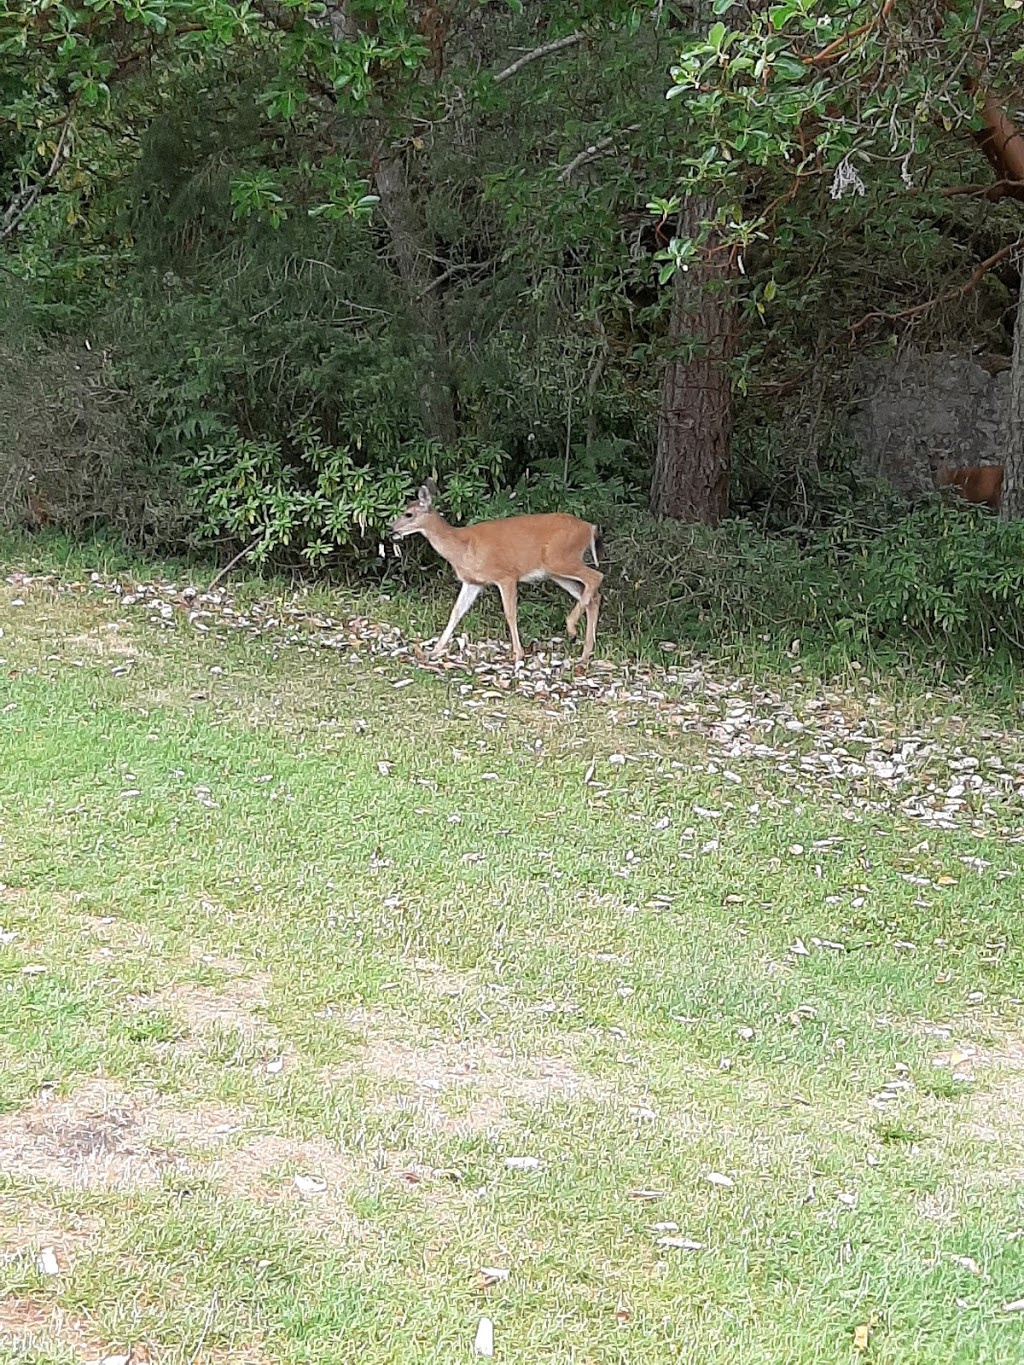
<point x="426" y="493"/>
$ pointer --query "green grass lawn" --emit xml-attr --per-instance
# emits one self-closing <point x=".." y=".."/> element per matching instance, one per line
<point x="300" y="946"/>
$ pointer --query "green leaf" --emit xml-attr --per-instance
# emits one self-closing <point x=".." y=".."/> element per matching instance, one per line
<point x="716" y="36"/>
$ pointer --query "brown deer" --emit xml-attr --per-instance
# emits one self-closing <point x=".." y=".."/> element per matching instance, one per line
<point x="506" y="553"/>
<point x="982" y="484"/>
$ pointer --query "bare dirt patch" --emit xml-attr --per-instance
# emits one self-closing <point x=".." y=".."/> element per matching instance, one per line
<point x="104" y="641"/>
<point x="93" y="1139"/>
<point x="439" y="979"/>
<point x="33" y="1329"/>
<point x="203" y="1008"/>
<point x="28" y="1325"/>
<point x="989" y="1109"/>
<point x="992" y="1067"/>
<point x="102" y="1137"/>
<point x="27" y="1227"/>
<point x="114" y="936"/>
<point x="458" y="1089"/>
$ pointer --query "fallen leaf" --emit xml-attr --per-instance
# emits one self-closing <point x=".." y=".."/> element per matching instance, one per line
<point x="957" y="1059"/>
<point x="648" y="1196"/>
<point x="862" y="1337"/>
<point x="716" y="1178"/>
<point x="488" y="1275"/>
<point x="522" y="1163"/>
<point x="46" y="1262"/>
<point x="1014" y="1306"/>
<point x="310" y="1184"/>
<point x="967" y="1263"/>
<point x="484" y="1343"/>
<point x="680" y="1244"/>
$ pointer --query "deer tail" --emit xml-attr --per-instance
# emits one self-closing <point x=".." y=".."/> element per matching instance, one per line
<point x="596" y="544"/>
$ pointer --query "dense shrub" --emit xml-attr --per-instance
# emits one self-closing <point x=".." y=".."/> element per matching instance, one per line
<point x="943" y="581"/>
<point x="74" y="454"/>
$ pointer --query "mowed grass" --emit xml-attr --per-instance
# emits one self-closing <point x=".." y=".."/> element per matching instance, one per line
<point x="268" y="916"/>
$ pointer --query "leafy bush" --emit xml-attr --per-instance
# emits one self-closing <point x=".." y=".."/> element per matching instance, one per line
<point x="946" y="582"/>
<point x="321" y="502"/>
<point x="953" y="578"/>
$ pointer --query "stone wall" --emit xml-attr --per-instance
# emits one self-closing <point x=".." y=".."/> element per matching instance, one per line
<point x="919" y="411"/>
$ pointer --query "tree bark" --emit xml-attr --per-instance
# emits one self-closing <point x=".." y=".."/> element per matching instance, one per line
<point x="407" y="233"/>
<point x="409" y="247"/>
<point x="691" y="467"/>
<point x="1011" y="507"/>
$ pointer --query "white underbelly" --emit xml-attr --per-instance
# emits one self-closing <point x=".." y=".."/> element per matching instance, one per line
<point x="535" y="576"/>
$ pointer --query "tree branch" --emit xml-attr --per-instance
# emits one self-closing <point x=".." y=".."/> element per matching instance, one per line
<point x="994" y="190"/>
<point x="834" y="48"/>
<point x="957" y="292"/>
<point x="544" y="51"/>
<point x="26" y="197"/>
<point x="592" y="152"/>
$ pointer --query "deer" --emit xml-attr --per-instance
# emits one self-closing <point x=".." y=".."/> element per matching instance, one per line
<point x="982" y="484"/>
<point x="505" y="553"/>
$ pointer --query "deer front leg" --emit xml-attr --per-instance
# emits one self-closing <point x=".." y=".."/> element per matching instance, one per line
<point x="508" y="601"/>
<point x="468" y="594"/>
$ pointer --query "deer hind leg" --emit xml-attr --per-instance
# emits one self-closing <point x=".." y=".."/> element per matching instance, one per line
<point x="587" y="600"/>
<point x="592" y="608"/>
<point x="508" y="601"/>
<point x="468" y="594"/>
<point x="574" y="588"/>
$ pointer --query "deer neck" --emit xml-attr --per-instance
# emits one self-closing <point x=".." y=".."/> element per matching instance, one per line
<point x="445" y="539"/>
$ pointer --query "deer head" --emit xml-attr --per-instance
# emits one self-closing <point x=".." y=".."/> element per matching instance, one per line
<point x="412" y="521"/>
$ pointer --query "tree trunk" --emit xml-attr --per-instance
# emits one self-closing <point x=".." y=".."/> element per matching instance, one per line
<point x="407" y="233"/>
<point x="1011" y="506"/>
<point x="691" y="467"/>
<point x="409" y="247"/>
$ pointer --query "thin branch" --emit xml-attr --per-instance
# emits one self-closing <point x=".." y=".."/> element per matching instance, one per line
<point x="834" y="48"/>
<point x="592" y="152"/>
<point x="26" y="198"/>
<point x="993" y="189"/>
<point x="232" y="562"/>
<point x="544" y="51"/>
<point x="957" y="292"/>
<point x="475" y="267"/>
